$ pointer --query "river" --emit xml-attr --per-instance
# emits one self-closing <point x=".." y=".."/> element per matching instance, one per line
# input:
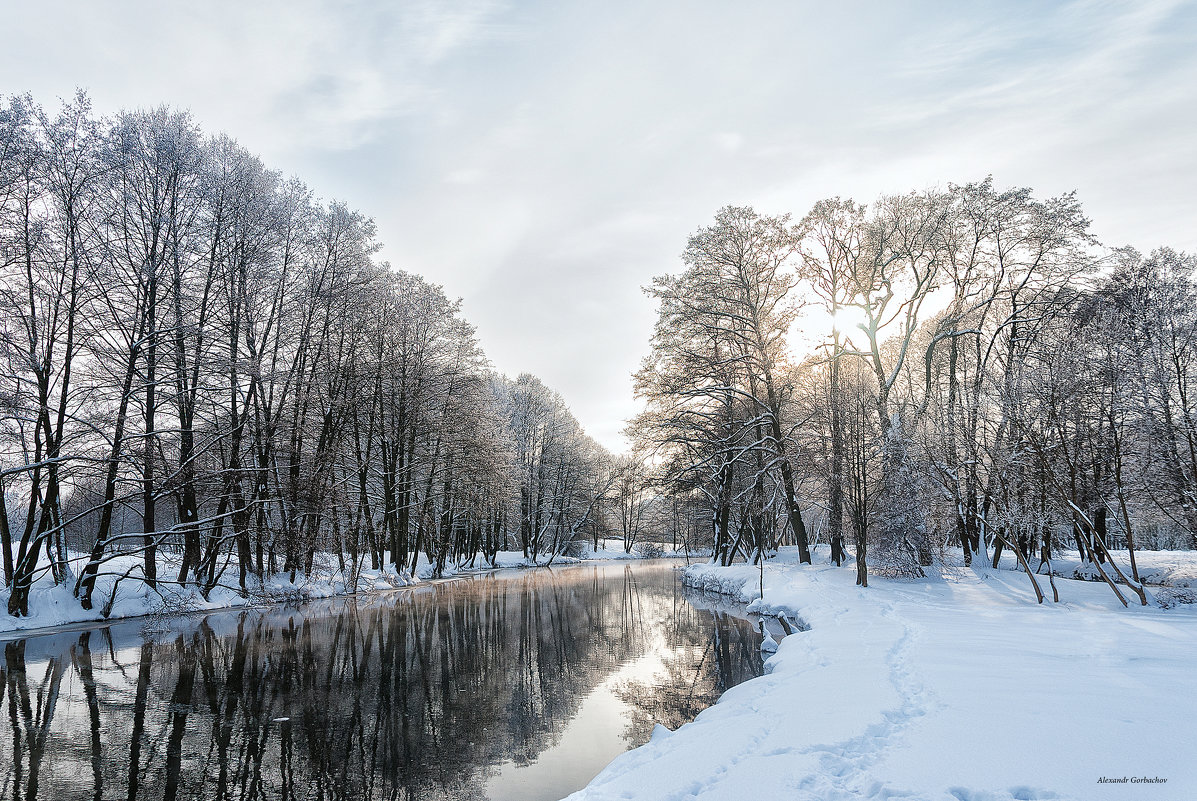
<point x="508" y="685"/>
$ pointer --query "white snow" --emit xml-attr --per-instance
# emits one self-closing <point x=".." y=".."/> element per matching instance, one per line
<point x="958" y="687"/>
<point x="52" y="606"/>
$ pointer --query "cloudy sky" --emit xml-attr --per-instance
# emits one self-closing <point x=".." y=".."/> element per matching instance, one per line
<point x="544" y="160"/>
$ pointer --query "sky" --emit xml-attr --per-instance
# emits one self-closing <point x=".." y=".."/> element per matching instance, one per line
<point x="544" y="160"/>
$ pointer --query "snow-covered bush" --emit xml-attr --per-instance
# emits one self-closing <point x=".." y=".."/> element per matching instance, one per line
<point x="650" y="550"/>
<point x="577" y="549"/>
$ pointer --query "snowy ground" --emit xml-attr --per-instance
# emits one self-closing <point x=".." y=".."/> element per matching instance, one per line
<point x="52" y="606"/>
<point x="955" y="687"/>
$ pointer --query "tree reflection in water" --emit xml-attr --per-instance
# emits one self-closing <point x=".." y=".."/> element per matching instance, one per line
<point x="413" y="695"/>
<point x="707" y="651"/>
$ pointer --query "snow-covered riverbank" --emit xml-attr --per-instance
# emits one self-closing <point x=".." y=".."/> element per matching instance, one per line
<point x="959" y="687"/>
<point x="52" y="606"/>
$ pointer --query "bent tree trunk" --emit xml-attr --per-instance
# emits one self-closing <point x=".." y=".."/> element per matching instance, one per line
<point x="787" y="473"/>
<point x="87" y="580"/>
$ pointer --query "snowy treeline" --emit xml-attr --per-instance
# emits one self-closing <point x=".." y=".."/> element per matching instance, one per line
<point x="975" y="372"/>
<point x="198" y="357"/>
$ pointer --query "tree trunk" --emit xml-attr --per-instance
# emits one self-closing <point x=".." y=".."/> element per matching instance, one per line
<point x="835" y="513"/>
<point x="148" y="521"/>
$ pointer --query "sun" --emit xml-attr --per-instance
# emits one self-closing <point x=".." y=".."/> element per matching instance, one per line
<point x="816" y="326"/>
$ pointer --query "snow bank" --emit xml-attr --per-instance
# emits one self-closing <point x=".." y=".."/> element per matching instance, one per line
<point x="957" y="687"/>
<point x="53" y="606"/>
<point x="1161" y="568"/>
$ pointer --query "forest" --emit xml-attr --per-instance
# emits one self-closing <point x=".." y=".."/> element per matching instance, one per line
<point x="203" y="361"/>
<point x="204" y="364"/>
<point x="981" y="374"/>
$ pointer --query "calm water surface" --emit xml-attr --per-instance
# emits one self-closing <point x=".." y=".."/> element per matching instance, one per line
<point x="514" y="685"/>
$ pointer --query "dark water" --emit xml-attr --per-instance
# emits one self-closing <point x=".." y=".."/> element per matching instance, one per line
<point x="517" y="685"/>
